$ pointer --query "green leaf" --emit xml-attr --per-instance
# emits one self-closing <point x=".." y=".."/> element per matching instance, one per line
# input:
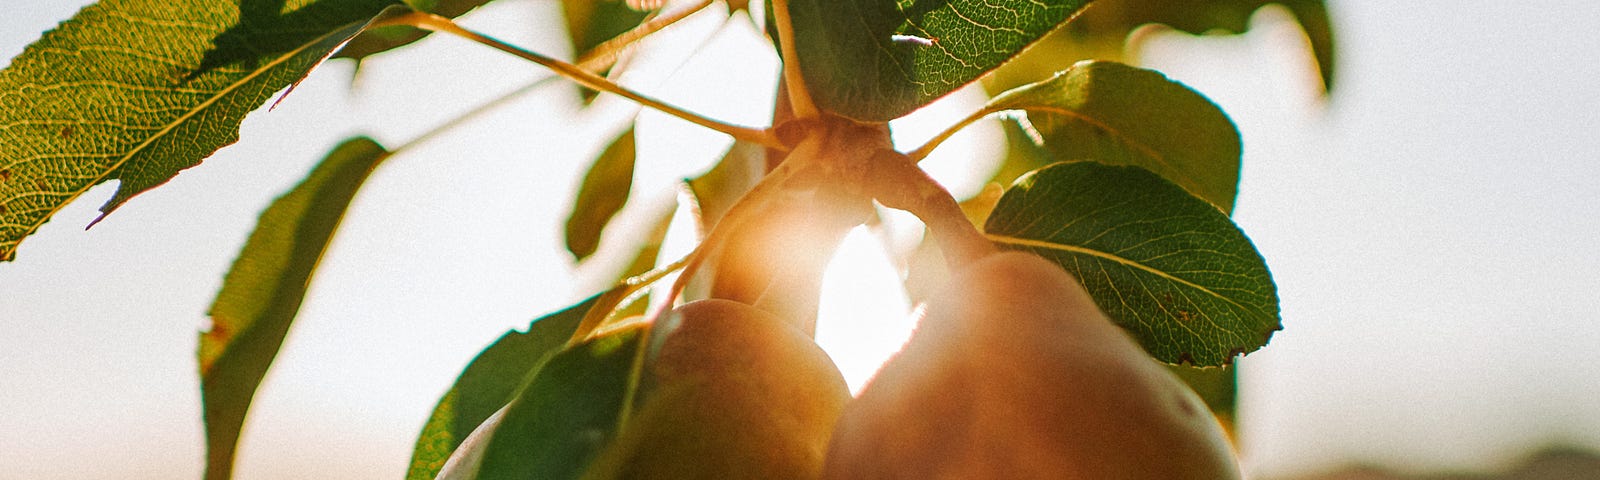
<point x="263" y="291"/>
<point x="569" y="412"/>
<point x="715" y="192"/>
<point x="875" y="60"/>
<point x="1218" y="387"/>
<point x="489" y="382"/>
<point x="379" y="40"/>
<point x="604" y="191"/>
<point x="1024" y="152"/>
<point x="1122" y="115"/>
<point x="592" y="22"/>
<point x="136" y="90"/>
<point x="1168" y="267"/>
<point x="1117" y="19"/>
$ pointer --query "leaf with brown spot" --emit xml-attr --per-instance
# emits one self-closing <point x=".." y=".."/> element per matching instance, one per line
<point x="263" y="291"/>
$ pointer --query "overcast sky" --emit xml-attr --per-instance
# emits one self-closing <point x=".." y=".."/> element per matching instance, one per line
<point x="1432" y="229"/>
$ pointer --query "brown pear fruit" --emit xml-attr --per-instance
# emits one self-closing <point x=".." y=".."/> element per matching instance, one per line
<point x="729" y="391"/>
<point x="1014" y="373"/>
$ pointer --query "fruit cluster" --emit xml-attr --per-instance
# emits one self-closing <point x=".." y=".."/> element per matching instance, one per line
<point x="1012" y="373"/>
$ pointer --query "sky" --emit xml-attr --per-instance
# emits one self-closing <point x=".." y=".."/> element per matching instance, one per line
<point x="1430" y="226"/>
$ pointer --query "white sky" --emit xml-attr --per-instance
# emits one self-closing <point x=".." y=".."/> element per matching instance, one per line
<point x="1432" y="232"/>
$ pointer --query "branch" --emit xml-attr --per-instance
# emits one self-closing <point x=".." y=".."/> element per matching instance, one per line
<point x="799" y="97"/>
<point x="428" y="21"/>
<point x="604" y="54"/>
<point x="922" y="152"/>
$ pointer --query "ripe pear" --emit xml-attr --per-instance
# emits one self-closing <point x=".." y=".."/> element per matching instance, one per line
<point x="728" y="391"/>
<point x="1015" y="374"/>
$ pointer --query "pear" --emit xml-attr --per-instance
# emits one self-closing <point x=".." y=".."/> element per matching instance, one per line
<point x="729" y="391"/>
<point x="1015" y="374"/>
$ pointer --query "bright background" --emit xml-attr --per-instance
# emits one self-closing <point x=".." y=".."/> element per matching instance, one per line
<point x="1431" y="228"/>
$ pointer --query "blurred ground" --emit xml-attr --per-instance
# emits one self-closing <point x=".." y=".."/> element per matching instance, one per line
<point x="1551" y="463"/>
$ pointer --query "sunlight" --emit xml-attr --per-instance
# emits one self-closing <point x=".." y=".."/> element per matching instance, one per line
<point x="863" y="316"/>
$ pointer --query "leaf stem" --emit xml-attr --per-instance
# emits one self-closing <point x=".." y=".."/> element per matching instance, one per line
<point x="475" y="112"/>
<point x="577" y="74"/>
<point x="748" y="207"/>
<point x="799" y="97"/>
<point x="927" y="148"/>
<point x="605" y="54"/>
<point x="601" y="311"/>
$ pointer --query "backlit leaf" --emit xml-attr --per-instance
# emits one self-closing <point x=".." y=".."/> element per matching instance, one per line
<point x="488" y="383"/>
<point x="604" y="191"/>
<point x="875" y="60"/>
<point x="137" y="90"/>
<point x="1122" y="115"/>
<point x="715" y="192"/>
<point x="569" y="412"/>
<point x="592" y="22"/>
<point x="1116" y="19"/>
<point x="263" y="291"/>
<point x="379" y="40"/>
<point x="1167" y="266"/>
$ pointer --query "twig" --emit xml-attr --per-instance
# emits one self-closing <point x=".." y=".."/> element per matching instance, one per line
<point x="922" y="152"/>
<point x="799" y="96"/>
<point x="603" y="55"/>
<point x="598" y="314"/>
<point x="577" y="74"/>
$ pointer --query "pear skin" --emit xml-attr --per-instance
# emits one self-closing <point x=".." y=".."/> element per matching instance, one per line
<point x="730" y="392"/>
<point x="1014" y="373"/>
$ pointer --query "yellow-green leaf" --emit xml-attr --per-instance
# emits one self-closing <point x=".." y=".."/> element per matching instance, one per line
<point x="137" y="90"/>
<point x="1121" y="115"/>
<point x="1116" y="19"/>
<point x="604" y="191"/>
<point x="378" y="40"/>
<point x="263" y="291"/>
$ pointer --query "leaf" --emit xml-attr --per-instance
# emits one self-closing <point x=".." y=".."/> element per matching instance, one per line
<point x="603" y="193"/>
<point x="1118" y="19"/>
<point x="263" y="291"/>
<point x="137" y="90"/>
<point x="569" y="412"/>
<point x="592" y="22"/>
<point x="647" y="255"/>
<point x="489" y="382"/>
<point x="1025" y="152"/>
<point x="378" y="40"/>
<point x="1218" y="387"/>
<point x="1168" y="267"/>
<point x="1122" y="115"/>
<point x="715" y="192"/>
<point x="875" y="60"/>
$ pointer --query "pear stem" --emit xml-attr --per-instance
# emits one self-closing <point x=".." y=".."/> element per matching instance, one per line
<point x="748" y="207"/>
<point x="898" y="183"/>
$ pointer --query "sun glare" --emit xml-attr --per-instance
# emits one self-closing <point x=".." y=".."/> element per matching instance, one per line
<point x="863" y="317"/>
